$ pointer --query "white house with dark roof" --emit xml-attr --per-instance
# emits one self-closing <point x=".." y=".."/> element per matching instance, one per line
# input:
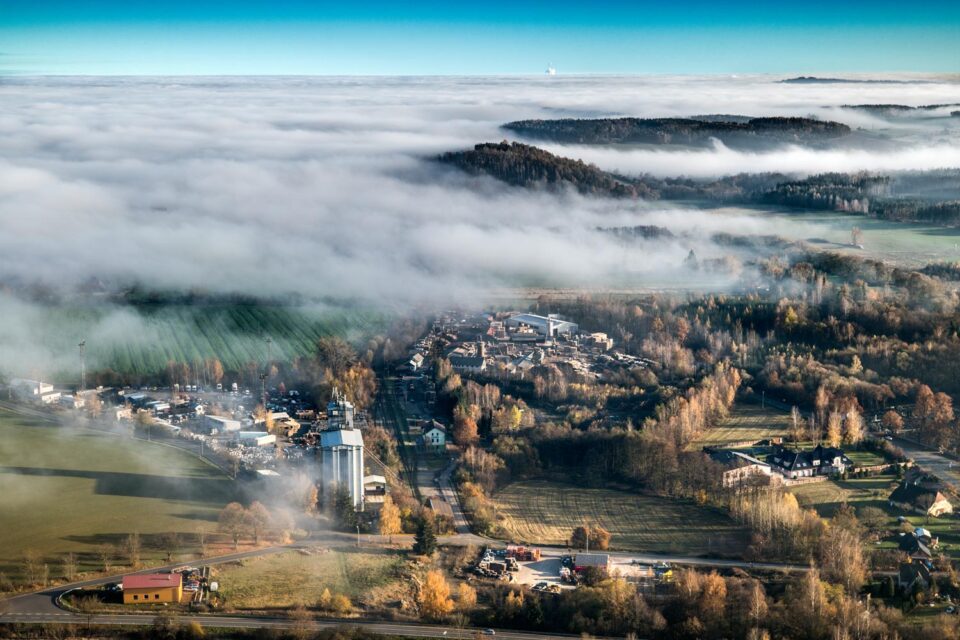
<point x="434" y="438"/>
<point x="820" y="461"/>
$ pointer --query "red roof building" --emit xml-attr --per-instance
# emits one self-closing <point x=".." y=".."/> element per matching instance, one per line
<point x="152" y="588"/>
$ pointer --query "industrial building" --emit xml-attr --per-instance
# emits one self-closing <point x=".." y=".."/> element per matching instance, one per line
<point x="549" y="326"/>
<point x="340" y="412"/>
<point x="152" y="587"/>
<point x="341" y="453"/>
<point x="219" y="424"/>
<point x="36" y="390"/>
<point x="255" y="438"/>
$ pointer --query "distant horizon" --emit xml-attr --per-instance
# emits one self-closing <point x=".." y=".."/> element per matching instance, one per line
<point x="428" y="37"/>
<point x="869" y="76"/>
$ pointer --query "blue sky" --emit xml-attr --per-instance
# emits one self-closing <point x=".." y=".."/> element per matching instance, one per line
<point x="492" y="37"/>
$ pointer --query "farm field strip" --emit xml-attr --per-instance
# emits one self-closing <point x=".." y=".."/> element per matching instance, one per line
<point x="747" y="421"/>
<point x="541" y="512"/>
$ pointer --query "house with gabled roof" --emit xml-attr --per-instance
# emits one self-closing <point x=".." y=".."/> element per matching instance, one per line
<point x="741" y="469"/>
<point x="914" y="547"/>
<point x="820" y="461"/>
<point x="921" y="499"/>
<point x="913" y="574"/>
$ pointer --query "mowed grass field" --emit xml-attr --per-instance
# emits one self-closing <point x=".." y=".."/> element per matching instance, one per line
<point x="291" y="579"/>
<point x="543" y="512"/>
<point x="71" y="490"/>
<point x="747" y="422"/>
<point x="827" y="496"/>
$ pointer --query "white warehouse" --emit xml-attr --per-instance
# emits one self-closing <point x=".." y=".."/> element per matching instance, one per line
<point x="549" y="326"/>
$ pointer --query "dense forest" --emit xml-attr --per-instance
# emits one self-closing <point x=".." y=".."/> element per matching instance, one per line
<point x="755" y="132"/>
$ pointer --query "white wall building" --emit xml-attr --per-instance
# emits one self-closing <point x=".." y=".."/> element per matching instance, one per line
<point x="25" y="387"/>
<point x="221" y="424"/>
<point x="256" y="438"/>
<point x="435" y="438"/>
<point x="549" y="326"/>
<point x="341" y="463"/>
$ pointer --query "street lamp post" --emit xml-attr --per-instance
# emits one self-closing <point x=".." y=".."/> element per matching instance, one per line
<point x="83" y="365"/>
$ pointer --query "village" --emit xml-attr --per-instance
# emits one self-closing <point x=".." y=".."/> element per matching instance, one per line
<point x="265" y="439"/>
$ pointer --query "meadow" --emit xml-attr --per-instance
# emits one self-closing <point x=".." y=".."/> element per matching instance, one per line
<point x="65" y="489"/>
<point x="747" y="422"/>
<point x="142" y="339"/>
<point x="909" y="245"/>
<point x="543" y="512"/>
<point x="295" y="578"/>
<point x="826" y="497"/>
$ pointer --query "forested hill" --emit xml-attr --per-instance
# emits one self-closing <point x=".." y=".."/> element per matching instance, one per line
<point x="928" y="196"/>
<point x="526" y="166"/>
<point x="752" y="133"/>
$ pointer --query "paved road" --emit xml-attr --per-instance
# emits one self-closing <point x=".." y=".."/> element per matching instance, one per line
<point x="262" y="622"/>
<point x="932" y="461"/>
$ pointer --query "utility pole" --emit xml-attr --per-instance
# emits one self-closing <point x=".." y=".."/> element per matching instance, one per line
<point x="83" y="365"/>
<point x="263" y="390"/>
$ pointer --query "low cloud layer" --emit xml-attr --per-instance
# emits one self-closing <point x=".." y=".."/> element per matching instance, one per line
<point x="720" y="160"/>
<point x="319" y="186"/>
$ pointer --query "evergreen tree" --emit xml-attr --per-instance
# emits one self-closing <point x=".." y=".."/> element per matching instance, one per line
<point x="425" y="539"/>
<point x="343" y="509"/>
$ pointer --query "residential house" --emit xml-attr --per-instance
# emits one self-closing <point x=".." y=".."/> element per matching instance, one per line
<point x="913" y="547"/>
<point x="416" y="361"/>
<point x="742" y="469"/>
<point x="920" y="499"/>
<point x="821" y="461"/>
<point x="434" y="439"/>
<point x="913" y="574"/>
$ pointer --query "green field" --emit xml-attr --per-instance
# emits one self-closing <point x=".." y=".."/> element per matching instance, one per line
<point x="541" y="512"/>
<point x="291" y="579"/>
<point x="71" y="490"/>
<point x="826" y="496"/>
<point x="746" y="422"/>
<point x="865" y="458"/>
<point x="141" y="339"/>
<point x="909" y="245"/>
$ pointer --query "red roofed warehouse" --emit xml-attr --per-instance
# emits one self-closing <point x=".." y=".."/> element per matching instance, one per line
<point x="152" y="587"/>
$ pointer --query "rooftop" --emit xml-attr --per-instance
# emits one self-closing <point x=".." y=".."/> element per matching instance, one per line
<point x="152" y="581"/>
<point x="341" y="438"/>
